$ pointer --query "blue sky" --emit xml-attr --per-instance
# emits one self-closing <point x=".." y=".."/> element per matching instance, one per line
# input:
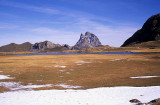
<point x="62" y="21"/>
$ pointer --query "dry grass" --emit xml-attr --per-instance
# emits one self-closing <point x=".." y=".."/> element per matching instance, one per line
<point x="96" y="71"/>
<point x="13" y="53"/>
<point x="3" y="89"/>
<point x="114" y="49"/>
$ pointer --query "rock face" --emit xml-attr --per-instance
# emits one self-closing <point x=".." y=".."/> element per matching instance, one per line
<point x="41" y="46"/>
<point x="88" y="40"/>
<point x="149" y="32"/>
<point x="16" y="47"/>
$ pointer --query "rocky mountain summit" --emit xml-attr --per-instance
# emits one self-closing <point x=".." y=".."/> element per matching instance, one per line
<point x="44" y="45"/>
<point x="49" y="46"/>
<point x="149" y="32"/>
<point x="88" y="40"/>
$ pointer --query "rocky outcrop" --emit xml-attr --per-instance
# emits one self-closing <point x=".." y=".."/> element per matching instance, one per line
<point x="16" y="47"/>
<point x="149" y="32"/>
<point x="153" y="102"/>
<point x="88" y="40"/>
<point x="41" y="46"/>
<point x="135" y="101"/>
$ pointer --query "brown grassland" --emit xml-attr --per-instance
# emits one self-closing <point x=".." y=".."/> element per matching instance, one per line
<point x="88" y="70"/>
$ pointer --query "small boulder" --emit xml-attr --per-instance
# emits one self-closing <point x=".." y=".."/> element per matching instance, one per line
<point x="135" y="101"/>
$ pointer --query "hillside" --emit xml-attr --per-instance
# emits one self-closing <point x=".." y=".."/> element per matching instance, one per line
<point x="149" y="32"/>
<point x="16" y="47"/>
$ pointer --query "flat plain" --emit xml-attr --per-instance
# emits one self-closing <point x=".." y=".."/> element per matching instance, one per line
<point x="78" y="71"/>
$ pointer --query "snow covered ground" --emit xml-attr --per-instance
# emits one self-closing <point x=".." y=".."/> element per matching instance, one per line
<point x="97" y="96"/>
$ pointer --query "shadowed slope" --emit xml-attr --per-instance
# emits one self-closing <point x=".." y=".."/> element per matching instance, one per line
<point x="149" y="32"/>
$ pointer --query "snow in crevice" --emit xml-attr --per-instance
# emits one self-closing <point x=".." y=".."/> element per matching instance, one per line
<point x="143" y="77"/>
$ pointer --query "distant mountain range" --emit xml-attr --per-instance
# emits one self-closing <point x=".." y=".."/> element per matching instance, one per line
<point x="88" y="40"/>
<point x="149" y="32"/>
<point x="37" y="47"/>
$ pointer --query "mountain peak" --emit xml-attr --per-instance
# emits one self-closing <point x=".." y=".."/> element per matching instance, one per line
<point x="87" y="33"/>
<point x="88" y="40"/>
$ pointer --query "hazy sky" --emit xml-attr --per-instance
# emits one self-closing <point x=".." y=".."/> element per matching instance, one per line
<point x="62" y="21"/>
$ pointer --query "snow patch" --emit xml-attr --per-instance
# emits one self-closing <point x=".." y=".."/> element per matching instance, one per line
<point x="144" y="77"/>
<point x="71" y="70"/>
<point x="97" y="96"/>
<point x="35" y="86"/>
<point x="48" y="66"/>
<point x="64" y="85"/>
<point x="82" y="62"/>
<point x="30" y="83"/>
<point x="56" y="66"/>
<point x="79" y="64"/>
<point x="10" y="85"/>
<point x="5" y="77"/>
<point x="60" y="66"/>
<point x="121" y="59"/>
<point x="116" y="60"/>
<point x="18" y="86"/>
<point x="62" y="70"/>
<point x="68" y="73"/>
